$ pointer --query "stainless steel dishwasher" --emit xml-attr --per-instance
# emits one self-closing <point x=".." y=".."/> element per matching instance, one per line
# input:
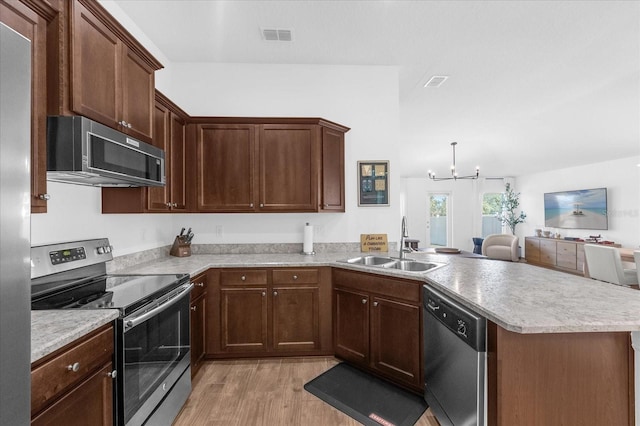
<point x="454" y="360"/>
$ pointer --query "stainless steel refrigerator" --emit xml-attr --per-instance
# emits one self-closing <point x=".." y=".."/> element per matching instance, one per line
<point x="15" y="228"/>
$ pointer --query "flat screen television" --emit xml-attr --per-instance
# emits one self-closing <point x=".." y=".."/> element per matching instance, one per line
<point x="581" y="209"/>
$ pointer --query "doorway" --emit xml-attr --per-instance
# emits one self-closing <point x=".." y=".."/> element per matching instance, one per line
<point x="439" y="219"/>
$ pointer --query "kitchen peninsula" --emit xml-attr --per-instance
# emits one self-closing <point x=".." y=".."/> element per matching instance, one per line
<point x="559" y="348"/>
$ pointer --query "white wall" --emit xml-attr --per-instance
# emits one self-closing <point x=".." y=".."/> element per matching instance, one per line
<point x="620" y="177"/>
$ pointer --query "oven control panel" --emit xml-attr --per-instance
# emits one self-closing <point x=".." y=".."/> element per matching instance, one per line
<point x="67" y="255"/>
<point x="61" y="257"/>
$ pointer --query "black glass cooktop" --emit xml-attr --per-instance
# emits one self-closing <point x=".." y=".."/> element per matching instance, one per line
<point x="123" y="292"/>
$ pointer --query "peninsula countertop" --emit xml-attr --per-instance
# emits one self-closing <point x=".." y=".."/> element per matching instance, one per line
<point x="517" y="296"/>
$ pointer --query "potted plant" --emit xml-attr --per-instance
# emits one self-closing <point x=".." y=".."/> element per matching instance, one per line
<point x="509" y="203"/>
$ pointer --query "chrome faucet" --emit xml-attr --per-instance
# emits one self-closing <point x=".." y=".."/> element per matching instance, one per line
<point x="403" y="234"/>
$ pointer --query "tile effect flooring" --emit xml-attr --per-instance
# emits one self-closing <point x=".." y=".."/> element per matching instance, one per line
<point x="265" y="392"/>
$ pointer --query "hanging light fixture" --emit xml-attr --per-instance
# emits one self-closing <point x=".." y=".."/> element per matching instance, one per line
<point x="454" y="173"/>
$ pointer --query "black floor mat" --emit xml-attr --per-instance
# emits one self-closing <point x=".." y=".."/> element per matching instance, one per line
<point x="365" y="398"/>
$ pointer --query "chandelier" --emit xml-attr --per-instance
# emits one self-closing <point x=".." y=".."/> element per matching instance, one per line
<point x="454" y="173"/>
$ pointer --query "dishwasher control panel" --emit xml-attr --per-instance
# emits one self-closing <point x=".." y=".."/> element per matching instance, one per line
<point x="463" y="322"/>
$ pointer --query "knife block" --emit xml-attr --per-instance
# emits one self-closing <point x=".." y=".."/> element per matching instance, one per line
<point x="180" y="247"/>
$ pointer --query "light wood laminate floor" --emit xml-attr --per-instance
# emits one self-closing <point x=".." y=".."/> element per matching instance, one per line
<point x="265" y="392"/>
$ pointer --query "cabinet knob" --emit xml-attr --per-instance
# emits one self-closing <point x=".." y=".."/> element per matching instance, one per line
<point x="375" y="303"/>
<point x="364" y="301"/>
<point x="168" y="205"/>
<point x="74" y="367"/>
<point x="275" y="293"/>
<point x="295" y="277"/>
<point x="243" y="278"/>
<point x="264" y="293"/>
<point x="45" y="197"/>
<point x="122" y="123"/>
<point x="193" y="308"/>
<point x="251" y="205"/>
<point x="199" y="284"/>
<point x="326" y="205"/>
<point x="261" y="205"/>
<point x="113" y="374"/>
<point x="174" y="205"/>
<point x="129" y="125"/>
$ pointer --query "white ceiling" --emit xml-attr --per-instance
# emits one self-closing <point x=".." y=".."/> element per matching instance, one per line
<point x="533" y="85"/>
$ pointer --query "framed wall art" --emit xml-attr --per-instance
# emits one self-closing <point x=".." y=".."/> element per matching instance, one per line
<point x="373" y="183"/>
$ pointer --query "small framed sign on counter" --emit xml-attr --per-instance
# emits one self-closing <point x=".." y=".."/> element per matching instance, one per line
<point x="373" y="183"/>
<point x="373" y="242"/>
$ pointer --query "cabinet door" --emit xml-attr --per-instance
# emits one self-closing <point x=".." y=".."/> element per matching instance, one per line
<point x="296" y="325"/>
<point x="332" y="171"/>
<point x="159" y="197"/>
<point x="32" y="26"/>
<point x="548" y="252"/>
<point x="532" y="250"/>
<point x="395" y="339"/>
<point x="566" y="256"/>
<point x="136" y="95"/>
<point x="288" y="167"/>
<point x="244" y="319"/>
<point x="226" y="163"/>
<point x="95" y="53"/>
<point x="90" y="403"/>
<point x="351" y="325"/>
<point x="178" y="153"/>
<point x="198" y="318"/>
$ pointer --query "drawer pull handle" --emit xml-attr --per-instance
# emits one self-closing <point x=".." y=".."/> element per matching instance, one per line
<point x="199" y="284"/>
<point x="364" y="301"/>
<point x="295" y="277"/>
<point x="275" y="293"/>
<point x="45" y="197"/>
<point x="113" y="374"/>
<point x="74" y="367"/>
<point x="375" y="303"/>
<point x="193" y="308"/>
<point x="243" y="278"/>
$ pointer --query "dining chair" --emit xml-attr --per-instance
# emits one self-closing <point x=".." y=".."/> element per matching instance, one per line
<point x="604" y="264"/>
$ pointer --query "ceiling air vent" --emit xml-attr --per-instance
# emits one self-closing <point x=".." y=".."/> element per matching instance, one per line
<point x="436" y="81"/>
<point x="277" y="34"/>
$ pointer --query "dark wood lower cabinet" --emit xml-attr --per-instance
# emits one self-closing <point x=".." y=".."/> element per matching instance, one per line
<point x="378" y="325"/>
<point x="90" y="403"/>
<point x="269" y="312"/>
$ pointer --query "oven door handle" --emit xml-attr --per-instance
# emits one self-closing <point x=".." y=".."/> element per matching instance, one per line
<point x="130" y="323"/>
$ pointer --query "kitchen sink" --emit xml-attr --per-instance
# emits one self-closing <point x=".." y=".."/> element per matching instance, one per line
<point x="371" y="260"/>
<point x="412" y="265"/>
<point x="407" y="265"/>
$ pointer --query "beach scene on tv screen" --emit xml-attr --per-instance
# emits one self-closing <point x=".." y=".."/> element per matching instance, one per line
<point x="584" y="209"/>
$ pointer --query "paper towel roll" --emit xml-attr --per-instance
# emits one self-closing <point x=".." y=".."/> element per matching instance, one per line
<point x="307" y="244"/>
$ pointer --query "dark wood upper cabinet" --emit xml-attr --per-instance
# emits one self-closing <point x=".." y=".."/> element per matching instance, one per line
<point x="332" y="171"/>
<point x="226" y="155"/>
<point x="32" y="18"/>
<point x="103" y="72"/>
<point x="269" y="164"/>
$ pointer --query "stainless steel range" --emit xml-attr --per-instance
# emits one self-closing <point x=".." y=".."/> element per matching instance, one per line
<point x="152" y="347"/>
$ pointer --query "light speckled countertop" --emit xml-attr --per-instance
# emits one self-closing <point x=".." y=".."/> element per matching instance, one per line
<point x="516" y="296"/>
<point x="51" y="330"/>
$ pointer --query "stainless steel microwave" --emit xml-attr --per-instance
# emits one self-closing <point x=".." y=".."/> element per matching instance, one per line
<point x="84" y="152"/>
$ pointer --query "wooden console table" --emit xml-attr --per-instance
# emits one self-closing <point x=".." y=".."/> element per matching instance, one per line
<point x="563" y="255"/>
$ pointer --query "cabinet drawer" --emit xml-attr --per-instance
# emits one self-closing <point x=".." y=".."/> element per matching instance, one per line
<point x="567" y="261"/>
<point x="295" y="276"/>
<point x="199" y="286"/>
<point x="395" y="288"/>
<point x="54" y="377"/>
<point x="244" y="277"/>
<point x="568" y="249"/>
<point x="532" y="250"/>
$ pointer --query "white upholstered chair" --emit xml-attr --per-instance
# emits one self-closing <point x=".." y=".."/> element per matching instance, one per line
<point x="604" y="264"/>
<point x="501" y="246"/>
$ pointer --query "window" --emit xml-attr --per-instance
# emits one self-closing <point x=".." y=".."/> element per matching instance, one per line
<point x="491" y="204"/>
